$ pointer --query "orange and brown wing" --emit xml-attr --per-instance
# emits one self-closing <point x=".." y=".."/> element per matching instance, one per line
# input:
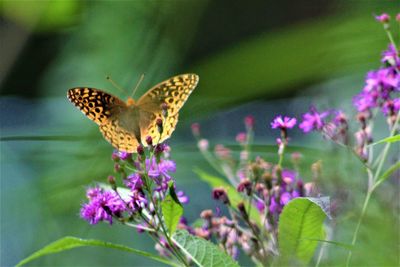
<point x="174" y="92"/>
<point x="118" y="136"/>
<point x="95" y="104"/>
<point x="105" y="110"/>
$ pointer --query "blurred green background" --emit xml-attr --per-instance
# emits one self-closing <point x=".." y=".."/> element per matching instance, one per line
<point x="253" y="57"/>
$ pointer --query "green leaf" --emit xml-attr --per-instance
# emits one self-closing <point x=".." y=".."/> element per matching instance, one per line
<point x="172" y="210"/>
<point x="301" y="220"/>
<point x="338" y="244"/>
<point x="70" y="242"/>
<point x="390" y="139"/>
<point x="234" y="196"/>
<point x="201" y="251"/>
<point x="387" y="174"/>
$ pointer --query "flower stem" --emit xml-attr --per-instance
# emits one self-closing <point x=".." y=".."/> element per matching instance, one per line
<point x="372" y="186"/>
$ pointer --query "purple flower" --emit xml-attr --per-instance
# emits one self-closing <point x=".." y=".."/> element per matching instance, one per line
<point x="313" y="120"/>
<point x="241" y="138"/>
<point x="390" y="106"/>
<point x="184" y="199"/>
<point x="285" y="198"/>
<point x="274" y="207"/>
<point x="283" y="123"/>
<point x="134" y="181"/>
<point x="384" y="18"/>
<point x="391" y="56"/>
<point x="260" y="205"/>
<point x="102" y="206"/>
<point x="138" y="201"/>
<point x="288" y="176"/>
<point x="161" y="169"/>
<point x="364" y="101"/>
<point x="120" y="155"/>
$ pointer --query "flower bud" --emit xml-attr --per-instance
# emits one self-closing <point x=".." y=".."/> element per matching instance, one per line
<point x="159" y="123"/>
<point x="221" y="194"/>
<point x="149" y="140"/>
<point x="196" y="129"/>
<point x="140" y="150"/>
<point x="249" y="122"/>
<point x="383" y="18"/>
<point x="245" y="185"/>
<point x="242" y="209"/>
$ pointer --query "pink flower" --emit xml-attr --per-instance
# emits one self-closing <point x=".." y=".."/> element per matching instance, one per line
<point x="283" y="123"/>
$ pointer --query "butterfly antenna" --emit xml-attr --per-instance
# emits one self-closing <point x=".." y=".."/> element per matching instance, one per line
<point x="137" y="85"/>
<point x="108" y="77"/>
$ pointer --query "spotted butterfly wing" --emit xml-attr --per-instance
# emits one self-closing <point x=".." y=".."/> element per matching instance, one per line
<point x="174" y="92"/>
<point x="106" y="111"/>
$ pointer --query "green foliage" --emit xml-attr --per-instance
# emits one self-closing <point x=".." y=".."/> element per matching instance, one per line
<point x="301" y="220"/>
<point x="201" y="251"/>
<point x="42" y="15"/>
<point x="69" y="242"/>
<point x="172" y="210"/>
<point x="390" y="139"/>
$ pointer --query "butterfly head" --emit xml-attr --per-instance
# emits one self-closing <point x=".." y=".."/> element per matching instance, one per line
<point x="130" y="101"/>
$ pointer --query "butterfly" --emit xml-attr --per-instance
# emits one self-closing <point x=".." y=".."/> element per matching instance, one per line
<point x="125" y="125"/>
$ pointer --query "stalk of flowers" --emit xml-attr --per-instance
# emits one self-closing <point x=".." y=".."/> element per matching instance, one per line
<point x="265" y="188"/>
<point x="139" y="185"/>
<point x="379" y="98"/>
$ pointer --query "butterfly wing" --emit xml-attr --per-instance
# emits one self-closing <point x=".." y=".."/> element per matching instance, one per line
<point x="95" y="104"/>
<point x="106" y="111"/>
<point x="174" y="92"/>
<point x="118" y="136"/>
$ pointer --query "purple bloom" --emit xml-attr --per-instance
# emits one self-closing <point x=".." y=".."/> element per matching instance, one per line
<point x="102" y="206"/>
<point x="391" y="56"/>
<point x="285" y="198"/>
<point x="391" y="106"/>
<point x="120" y="155"/>
<point x="288" y="176"/>
<point x="138" y="201"/>
<point x="313" y="120"/>
<point x="241" y="138"/>
<point x="260" y="206"/>
<point x="364" y="101"/>
<point x="134" y="181"/>
<point x="384" y="18"/>
<point x="184" y="199"/>
<point x="161" y="169"/>
<point x="283" y="123"/>
<point x="274" y="207"/>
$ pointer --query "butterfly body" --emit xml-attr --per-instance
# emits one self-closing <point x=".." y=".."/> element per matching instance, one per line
<point x="127" y="124"/>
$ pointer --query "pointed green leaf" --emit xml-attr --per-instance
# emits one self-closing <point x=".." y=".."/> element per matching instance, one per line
<point x="172" y="210"/>
<point x="70" y="242"/>
<point x="301" y="220"/>
<point x="387" y="174"/>
<point x="201" y="251"/>
<point x="390" y="139"/>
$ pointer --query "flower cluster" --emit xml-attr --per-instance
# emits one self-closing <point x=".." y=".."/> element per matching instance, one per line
<point x="137" y="176"/>
<point x="136" y="197"/>
<point x="380" y="94"/>
<point x="265" y="188"/>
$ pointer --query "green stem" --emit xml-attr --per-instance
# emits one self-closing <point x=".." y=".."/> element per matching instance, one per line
<point x="389" y="34"/>
<point x="355" y="235"/>
<point x="372" y="186"/>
